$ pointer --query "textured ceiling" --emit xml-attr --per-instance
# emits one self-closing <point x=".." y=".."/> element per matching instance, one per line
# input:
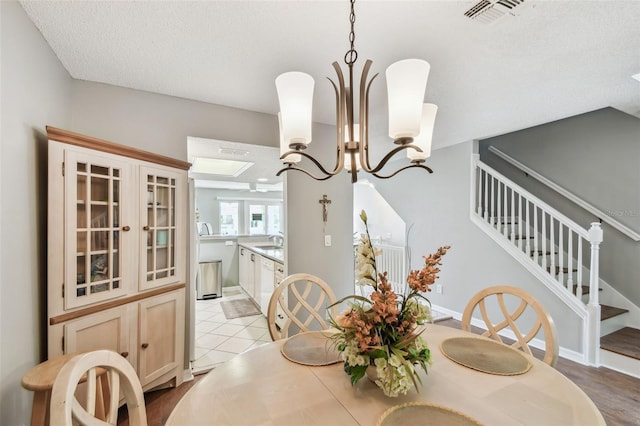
<point x="546" y="61"/>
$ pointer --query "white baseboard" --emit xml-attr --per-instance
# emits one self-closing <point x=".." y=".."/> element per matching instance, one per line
<point x="620" y="363"/>
<point x="187" y="375"/>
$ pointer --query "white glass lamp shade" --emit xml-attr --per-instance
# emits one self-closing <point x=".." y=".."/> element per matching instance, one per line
<point x="295" y="94"/>
<point x="284" y="147"/>
<point x="406" y="84"/>
<point x="423" y="140"/>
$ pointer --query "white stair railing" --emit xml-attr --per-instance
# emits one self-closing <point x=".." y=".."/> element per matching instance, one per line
<point x="559" y="251"/>
<point x="392" y="259"/>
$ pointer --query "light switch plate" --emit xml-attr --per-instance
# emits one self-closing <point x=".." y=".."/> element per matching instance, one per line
<point x="327" y="240"/>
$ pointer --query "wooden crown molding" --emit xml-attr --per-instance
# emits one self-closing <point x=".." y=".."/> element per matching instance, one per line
<point x="90" y="142"/>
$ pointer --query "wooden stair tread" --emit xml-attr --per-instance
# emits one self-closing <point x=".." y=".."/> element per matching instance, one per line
<point x="522" y="237"/>
<point x="564" y="270"/>
<point x="585" y="289"/>
<point x="625" y="341"/>
<point x="607" y="312"/>
<point x="541" y="253"/>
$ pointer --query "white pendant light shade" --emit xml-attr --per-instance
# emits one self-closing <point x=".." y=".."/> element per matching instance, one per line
<point x="423" y="140"/>
<point x="284" y="147"/>
<point x="406" y="85"/>
<point x="295" y="94"/>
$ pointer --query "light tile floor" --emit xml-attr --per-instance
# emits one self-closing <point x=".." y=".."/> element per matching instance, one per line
<point x="219" y="339"/>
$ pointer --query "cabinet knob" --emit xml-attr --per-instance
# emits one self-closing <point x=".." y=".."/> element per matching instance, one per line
<point x="126" y="228"/>
<point x="146" y="228"/>
<point x="124" y="354"/>
<point x="145" y="345"/>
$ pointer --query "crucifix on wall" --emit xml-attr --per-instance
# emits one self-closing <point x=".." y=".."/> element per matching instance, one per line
<point x="325" y="207"/>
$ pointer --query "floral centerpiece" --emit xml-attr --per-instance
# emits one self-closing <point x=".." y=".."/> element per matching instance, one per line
<point x="380" y="332"/>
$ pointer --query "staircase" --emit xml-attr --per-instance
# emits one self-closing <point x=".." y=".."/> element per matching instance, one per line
<point x="563" y="255"/>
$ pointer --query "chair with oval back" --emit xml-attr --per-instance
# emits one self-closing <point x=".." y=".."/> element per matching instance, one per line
<point x="508" y="320"/>
<point x="311" y="293"/>
<point x="67" y="410"/>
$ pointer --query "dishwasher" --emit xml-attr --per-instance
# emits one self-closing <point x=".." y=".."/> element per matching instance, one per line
<point x="266" y="283"/>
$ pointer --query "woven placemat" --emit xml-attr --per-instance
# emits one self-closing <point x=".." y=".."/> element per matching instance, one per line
<point x="421" y="413"/>
<point x="485" y="355"/>
<point x="311" y="348"/>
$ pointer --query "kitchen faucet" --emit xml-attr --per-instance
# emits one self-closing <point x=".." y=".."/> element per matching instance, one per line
<point x="278" y="240"/>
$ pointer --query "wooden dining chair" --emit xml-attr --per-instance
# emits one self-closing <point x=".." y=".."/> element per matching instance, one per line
<point x="65" y="408"/>
<point x="509" y="320"/>
<point x="312" y="296"/>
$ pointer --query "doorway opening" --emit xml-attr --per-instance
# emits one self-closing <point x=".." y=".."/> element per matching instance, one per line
<point x="235" y="198"/>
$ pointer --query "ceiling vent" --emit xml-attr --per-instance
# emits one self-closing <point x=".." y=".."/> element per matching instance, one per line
<point x="488" y="12"/>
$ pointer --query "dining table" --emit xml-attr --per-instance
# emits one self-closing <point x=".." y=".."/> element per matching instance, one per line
<point x="267" y="385"/>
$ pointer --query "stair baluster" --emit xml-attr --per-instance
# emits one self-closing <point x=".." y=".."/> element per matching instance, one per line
<point x="495" y="207"/>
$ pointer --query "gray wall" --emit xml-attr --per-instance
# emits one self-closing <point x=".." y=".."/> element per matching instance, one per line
<point x="597" y="157"/>
<point x="35" y="92"/>
<point x="305" y="230"/>
<point x="161" y="124"/>
<point x="438" y="207"/>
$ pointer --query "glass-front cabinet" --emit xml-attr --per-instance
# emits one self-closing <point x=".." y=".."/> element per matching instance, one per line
<point x="97" y="228"/>
<point x="159" y="220"/>
<point x="116" y="254"/>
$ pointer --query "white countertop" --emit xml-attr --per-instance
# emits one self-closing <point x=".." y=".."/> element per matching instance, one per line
<point x="266" y="249"/>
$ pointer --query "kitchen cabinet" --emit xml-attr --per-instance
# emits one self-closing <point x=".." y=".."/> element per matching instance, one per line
<point x="249" y="272"/>
<point x="245" y="271"/>
<point x="257" y="271"/>
<point x="278" y="275"/>
<point x="116" y="254"/>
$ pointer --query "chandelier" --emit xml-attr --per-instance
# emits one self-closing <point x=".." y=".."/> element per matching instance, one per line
<point x="410" y="121"/>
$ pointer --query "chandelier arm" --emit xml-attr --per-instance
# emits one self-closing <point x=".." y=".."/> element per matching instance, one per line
<point x="364" y="115"/>
<point x="420" y="166"/>
<point x="391" y="153"/>
<point x="289" y="168"/>
<point x="340" y="114"/>
<point x="339" y="126"/>
<point x="341" y="100"/>
<point x="313" y="160"/>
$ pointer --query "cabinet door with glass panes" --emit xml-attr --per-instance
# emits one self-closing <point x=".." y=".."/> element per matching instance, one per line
<point x="98" y="228"/>
<point x="163" y="246"/>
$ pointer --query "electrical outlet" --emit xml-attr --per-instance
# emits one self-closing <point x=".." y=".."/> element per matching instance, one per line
<point x="439" y="288"/>
<point x="327" y="240"/>
<point x="228" y="243"/>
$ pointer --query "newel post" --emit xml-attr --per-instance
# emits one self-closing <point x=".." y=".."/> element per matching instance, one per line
<point x="593" y="308"/>
<point x="595" y="238"/>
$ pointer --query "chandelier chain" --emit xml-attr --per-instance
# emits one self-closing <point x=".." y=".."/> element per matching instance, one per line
<point x="352" y="55"/>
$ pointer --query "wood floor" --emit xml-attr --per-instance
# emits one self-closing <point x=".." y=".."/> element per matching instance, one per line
<point x="616" y="395"/>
